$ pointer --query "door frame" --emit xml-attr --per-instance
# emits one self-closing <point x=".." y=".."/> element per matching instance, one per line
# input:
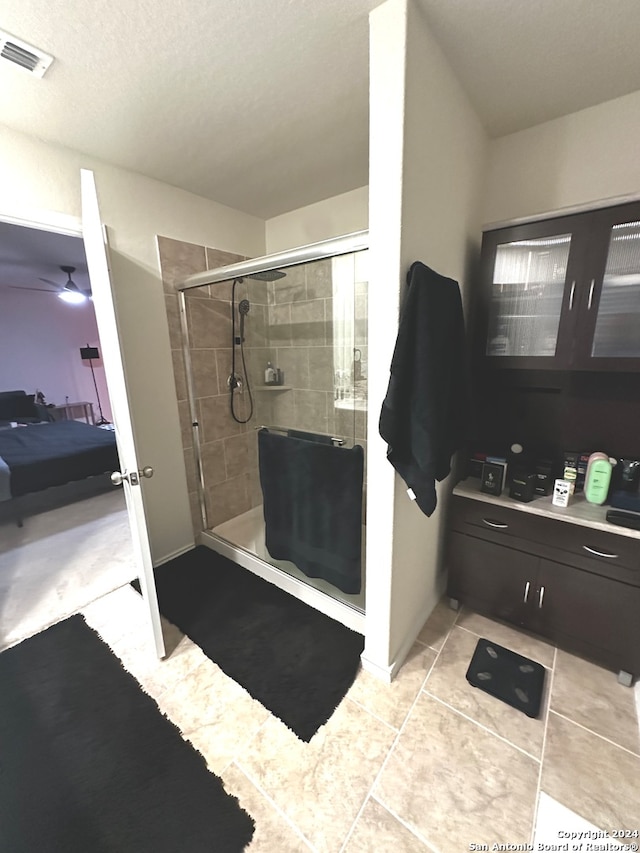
<point x="65" y="224"/>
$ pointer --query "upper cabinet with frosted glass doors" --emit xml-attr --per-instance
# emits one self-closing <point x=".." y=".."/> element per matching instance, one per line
<point x="563" y="293"/>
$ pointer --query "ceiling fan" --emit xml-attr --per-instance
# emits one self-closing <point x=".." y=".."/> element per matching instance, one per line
<point x="69" y="288"/>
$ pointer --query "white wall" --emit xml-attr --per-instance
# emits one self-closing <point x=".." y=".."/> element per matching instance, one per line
<point x="36" y="177"/>
<point x="333" y="217"/>
<point x="40" y="340"/>
<point x="427" y="160"/>
<point x="586" y="157"/>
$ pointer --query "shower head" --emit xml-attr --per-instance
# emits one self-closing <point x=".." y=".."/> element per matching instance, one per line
<point x="243" y="307"/>
<point x="267" y="275"/>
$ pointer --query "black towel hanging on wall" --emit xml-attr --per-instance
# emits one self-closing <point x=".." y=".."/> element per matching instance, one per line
<point x="425" y="411"/>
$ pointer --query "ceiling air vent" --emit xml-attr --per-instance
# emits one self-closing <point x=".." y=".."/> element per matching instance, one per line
<point x="26" y="56"/>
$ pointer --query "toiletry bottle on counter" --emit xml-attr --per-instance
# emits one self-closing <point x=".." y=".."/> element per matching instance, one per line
<point x="269" y="374"/>
<point x="596" y="486"/>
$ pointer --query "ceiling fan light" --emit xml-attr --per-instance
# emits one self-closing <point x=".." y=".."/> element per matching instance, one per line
<point x="72" y="296"/>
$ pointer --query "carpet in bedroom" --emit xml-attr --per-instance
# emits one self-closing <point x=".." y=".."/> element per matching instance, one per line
<point x="60" y="561"/>
<point x="297" y="662"/>
<point x="89" y="763"/>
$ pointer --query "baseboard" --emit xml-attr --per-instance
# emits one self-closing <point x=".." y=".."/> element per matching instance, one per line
<point x="388" y="673"/>
<point x="383" y="673"/>
<point x="173" y="555"/>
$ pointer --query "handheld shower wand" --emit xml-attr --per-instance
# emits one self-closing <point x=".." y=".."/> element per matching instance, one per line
<point x="235" y="381"/>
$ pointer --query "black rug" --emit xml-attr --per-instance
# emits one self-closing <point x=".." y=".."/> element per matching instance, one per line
<point x="294" y="660"/>
<point x="88" y="764"/>
<point x="508" y="676"/>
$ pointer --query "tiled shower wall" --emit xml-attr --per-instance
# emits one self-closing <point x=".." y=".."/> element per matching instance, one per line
<point x="290" y="324"/>
<point x="228" y="455"/>
<point x="301" y="335"/>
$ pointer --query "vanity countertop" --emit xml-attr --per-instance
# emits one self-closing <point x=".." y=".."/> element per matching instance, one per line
<point x="580" y="511"/>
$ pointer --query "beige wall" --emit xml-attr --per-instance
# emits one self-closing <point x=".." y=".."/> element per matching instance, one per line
<point x="427" y="159"/>
<point x="586" y="157"/>
<point x="36" y="176"/>
<point x="333" y="217"/>
<point x="443" y="171"/>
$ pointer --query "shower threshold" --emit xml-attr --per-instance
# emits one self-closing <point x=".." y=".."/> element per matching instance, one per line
<point x="242" y="540"/>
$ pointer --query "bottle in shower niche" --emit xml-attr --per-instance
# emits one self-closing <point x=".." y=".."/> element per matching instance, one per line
<point x="269" y="374"/>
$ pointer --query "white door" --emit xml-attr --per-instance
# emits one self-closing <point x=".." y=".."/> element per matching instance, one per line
<point x="133" y="474"/>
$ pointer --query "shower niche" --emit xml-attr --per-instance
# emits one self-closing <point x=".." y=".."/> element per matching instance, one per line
<point x="270" y="357"/>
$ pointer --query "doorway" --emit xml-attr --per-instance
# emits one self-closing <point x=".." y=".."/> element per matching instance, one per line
<point x="92" y="232"/>
<point x="75" y="542"/>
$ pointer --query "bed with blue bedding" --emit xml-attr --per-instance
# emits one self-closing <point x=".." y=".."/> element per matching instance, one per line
<point x="43" y="455"/>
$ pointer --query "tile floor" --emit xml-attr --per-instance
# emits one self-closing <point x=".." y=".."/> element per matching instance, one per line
<point x="427" y="763"/>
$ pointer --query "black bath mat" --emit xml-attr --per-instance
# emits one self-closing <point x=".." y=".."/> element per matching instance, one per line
<point x="508" y="676"/>
<point x="88" y="763"/>
<point x="294" y="660"/>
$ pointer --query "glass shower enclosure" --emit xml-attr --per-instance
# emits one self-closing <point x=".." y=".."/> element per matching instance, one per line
<point x="279" y="433"/>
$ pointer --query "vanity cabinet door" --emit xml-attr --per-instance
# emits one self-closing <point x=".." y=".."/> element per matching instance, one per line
<point x="594" y="614"/>
<point x="493" y="579"/>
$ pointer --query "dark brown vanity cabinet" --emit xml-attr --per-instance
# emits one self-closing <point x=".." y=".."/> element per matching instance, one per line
<point x="562" y="293"/>
<point x="579" y="587"/>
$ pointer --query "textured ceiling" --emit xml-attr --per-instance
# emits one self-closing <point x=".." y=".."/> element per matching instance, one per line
<point x="523" y="62"/>
<point x="262" y="105"/>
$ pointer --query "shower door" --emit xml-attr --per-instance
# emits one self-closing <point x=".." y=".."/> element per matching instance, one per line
<point x="291" y="358"/>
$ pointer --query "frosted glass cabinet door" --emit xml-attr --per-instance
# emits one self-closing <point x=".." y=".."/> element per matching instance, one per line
<point x="617" y="330"/>
<point x="526" y="296"/>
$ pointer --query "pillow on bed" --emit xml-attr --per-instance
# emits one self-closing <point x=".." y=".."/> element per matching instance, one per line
<point x="13" y="408"/>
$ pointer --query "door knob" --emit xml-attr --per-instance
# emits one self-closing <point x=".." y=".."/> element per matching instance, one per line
<point x="133" y="478"/>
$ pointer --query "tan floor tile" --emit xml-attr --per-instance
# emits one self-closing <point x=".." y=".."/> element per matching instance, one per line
<point x="320" y="785"/>
<point x="158" y="676"/>
<point x="122" y="621"/>
<point x="592" y="777"/>
<point x="378" y="830"/>
<point x="511" y="638"/>
<point x="435" y="629"/>
<point x="391" y="702"/>
<point x="455" y="783"/>
<point x="214" y="713"/>
<point x="591" y="696"/>
<point x="272" y="833"/>
<point x="448" y="682"/>
<point x="120" y="613"/>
